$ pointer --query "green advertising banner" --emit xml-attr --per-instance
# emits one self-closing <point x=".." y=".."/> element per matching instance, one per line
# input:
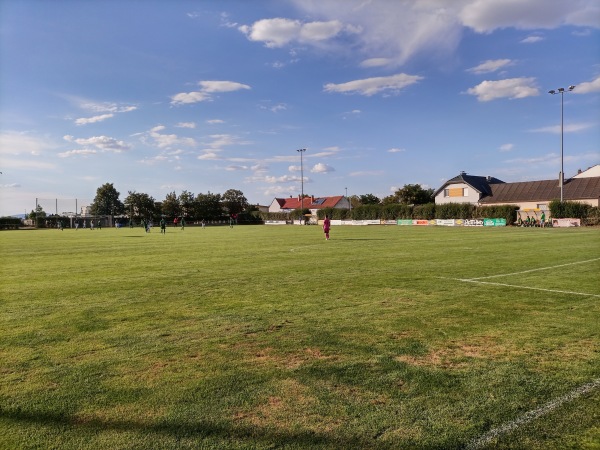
<point x="494" y="222"/>
<point x="404" y="221"/>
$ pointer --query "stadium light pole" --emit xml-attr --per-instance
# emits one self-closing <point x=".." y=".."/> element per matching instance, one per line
<point x="301" y="151"/>
<point x="561" y="91"/>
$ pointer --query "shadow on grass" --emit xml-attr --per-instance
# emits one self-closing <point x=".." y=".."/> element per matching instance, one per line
<point x="198" y="429"/>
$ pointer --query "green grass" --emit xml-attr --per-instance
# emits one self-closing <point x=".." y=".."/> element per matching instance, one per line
<point x="265" y="337"/>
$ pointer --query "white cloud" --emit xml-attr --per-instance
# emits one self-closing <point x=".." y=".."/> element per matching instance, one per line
<point x="568" y="128"/>
<point x="282" y="179"/>
<point x="186" y="125"/>
<point x="221" y="86"/>
<point x="214" y="121"/>
<point x="190" y="97"/>
<point x="233" y="168"/>
<point x="106" y="107"/>
<point x="376" y="62"/>
<point x="508" y="88"/>
<point x="491" y="65"/>
<point x="103" y="143"/>
<point x="588" y="87"/>
<point x="372" y="86"/>
<point x="86" y="120"/>
<point x="168" y="140"/>
<point x="209" y="156"/>
<point x="396" y="150"/>
<point x="506" y="147"/>
<point x="82" y="152"/>
<point x="485" y="16"/>
<point x="398" y="30"/>
<point x="279" y="32"/>
<point x="207" y="88"/>
<point x="322" y="168"/>
<point x="532" y="39"/>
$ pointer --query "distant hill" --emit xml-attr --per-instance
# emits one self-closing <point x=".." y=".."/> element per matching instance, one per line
<point x="18" y="216"/>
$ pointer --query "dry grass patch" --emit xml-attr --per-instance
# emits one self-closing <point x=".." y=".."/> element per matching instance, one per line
<point x="289" y="408"/>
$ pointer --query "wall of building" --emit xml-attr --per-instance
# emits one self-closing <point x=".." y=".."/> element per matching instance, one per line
<point x="457" y="193"/>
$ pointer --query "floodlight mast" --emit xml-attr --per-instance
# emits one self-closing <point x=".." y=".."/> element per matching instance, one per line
<point x="561" y="91"/>
<point x="301" y="151"/>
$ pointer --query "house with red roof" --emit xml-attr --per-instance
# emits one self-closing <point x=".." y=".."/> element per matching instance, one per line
<point x="312" y="203"/>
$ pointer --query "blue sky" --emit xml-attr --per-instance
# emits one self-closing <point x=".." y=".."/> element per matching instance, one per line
<point x="157" y="96"/>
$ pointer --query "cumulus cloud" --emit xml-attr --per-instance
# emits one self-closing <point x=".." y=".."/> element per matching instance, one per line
<point x="322" y="168"/>
<point x="506" y="147"/>
<point x="282" y="179"/>
<point x="279" y="32"/>
<point x="508" y="88"/>
<point x="168" y="140"/>
<point x="206" y="89"/>
<point x="491" y="65"/>
<point x="396" y="150"/>
<point x="214" y="121"/>
<point x="371" y="86"/>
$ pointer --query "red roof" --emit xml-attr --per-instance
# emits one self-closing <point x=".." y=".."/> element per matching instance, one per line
<point x="309" y="202"/>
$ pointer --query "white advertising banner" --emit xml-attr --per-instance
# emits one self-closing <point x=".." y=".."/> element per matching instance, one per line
<point x="564" y="223"/>
<point x="445" y="222"/>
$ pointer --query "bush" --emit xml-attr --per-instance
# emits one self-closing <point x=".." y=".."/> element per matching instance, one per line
<point x="424" y="212"/>
<point x="569" y="210"/>
<point x="10" y="223"/>
<point x="508" y="212"/>
<point x="454" y="211"/>
<point x="593" y="217"/>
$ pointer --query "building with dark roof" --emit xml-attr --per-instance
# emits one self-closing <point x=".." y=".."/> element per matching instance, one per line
<point x="528" y="195"/>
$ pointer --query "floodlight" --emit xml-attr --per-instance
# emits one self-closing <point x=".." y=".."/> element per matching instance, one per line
<point x="571" y="87"/>
<point x="552" y="92"/>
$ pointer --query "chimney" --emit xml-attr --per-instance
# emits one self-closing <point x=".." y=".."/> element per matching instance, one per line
<point x="462" y="172"/>
<point x="299" y="197"/>
<point x="579" y="171"/>
<point x="312" y="198"/>
<point x="488" y="178"/>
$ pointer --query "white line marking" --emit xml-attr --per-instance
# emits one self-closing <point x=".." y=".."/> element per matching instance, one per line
<point x="535" y="270"/>
<point x="525" y="287"/>
<point x="495" y="433"/>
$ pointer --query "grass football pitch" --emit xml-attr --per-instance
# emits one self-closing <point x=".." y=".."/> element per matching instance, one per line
<point x="263" y="337"/>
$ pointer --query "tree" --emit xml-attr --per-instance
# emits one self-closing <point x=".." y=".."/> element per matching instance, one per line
<point x="369" y="199"/>
<point x="139" y="205"/>
<point x="411" y="194"/>
<point x="186" y="203"/>
<point x="170" y="205"/>
<point x="234" y="201"/>
<point x="208" y="206"/>
<point x="38" y="212"/>
<point x="107" y="201"/>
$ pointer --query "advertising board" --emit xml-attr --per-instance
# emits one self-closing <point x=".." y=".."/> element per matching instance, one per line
<point x="494" y="222"/>
<point x="564" y="223"/>
<point x="473" y="223"/>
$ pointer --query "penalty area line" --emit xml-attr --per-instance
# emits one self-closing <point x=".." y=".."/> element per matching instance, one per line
<point x="495" y="433"/>
<point x="536" y="270"/>
<point x="556" y="291"/>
